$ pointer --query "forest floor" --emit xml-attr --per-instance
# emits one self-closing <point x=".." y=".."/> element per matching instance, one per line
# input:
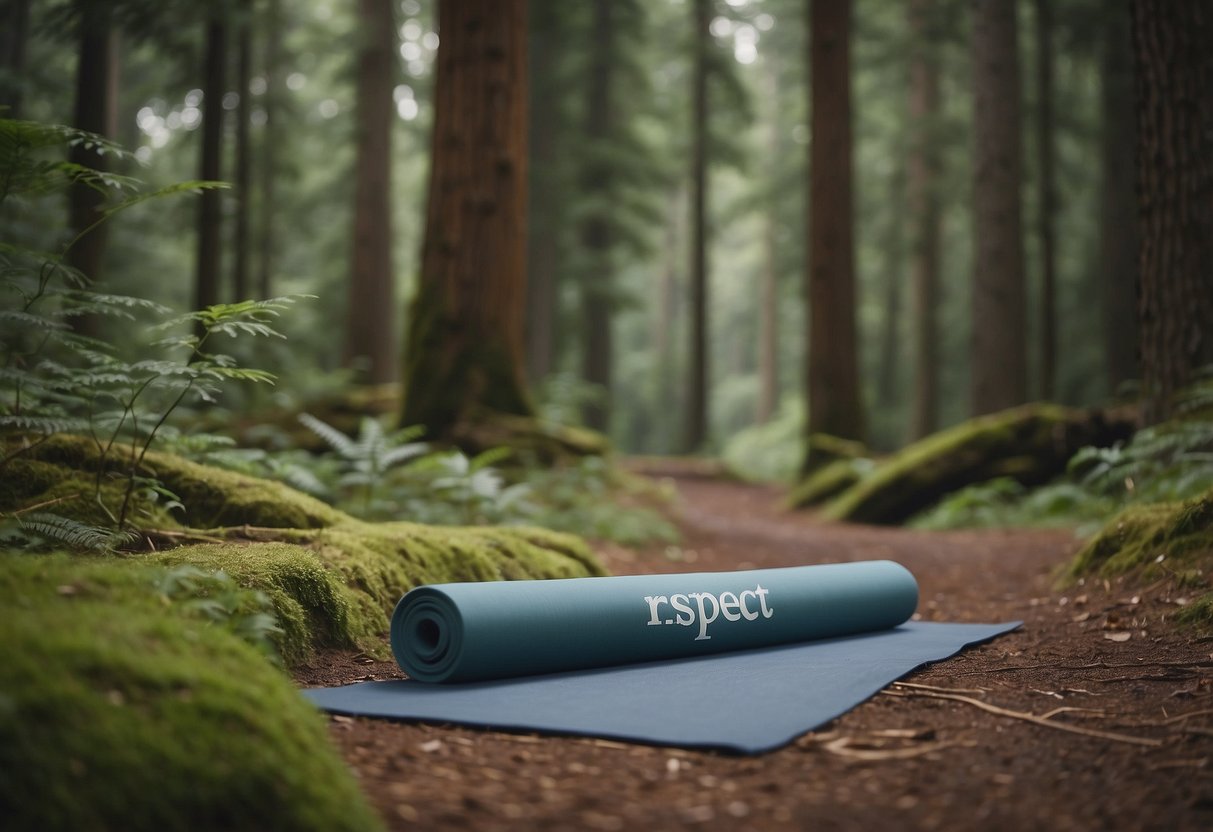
<point x="1102" y="658"/>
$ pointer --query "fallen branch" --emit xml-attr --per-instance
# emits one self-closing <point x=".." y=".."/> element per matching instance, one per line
<point x="978" y="691"/>
<point x="1030" y="717"/>
<point x="841" y="747"/>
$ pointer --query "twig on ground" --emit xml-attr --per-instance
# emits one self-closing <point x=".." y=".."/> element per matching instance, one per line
<point x="842" y="748"/>
<point x="1030" y="717"/>
<point x="169" y="534"/>
<point x="1091" y="666"/>
<point x="978" y="691"/>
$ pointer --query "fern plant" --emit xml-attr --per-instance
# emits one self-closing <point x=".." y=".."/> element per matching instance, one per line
<point x="366" y="459"/>
<point x="53" y="379"/>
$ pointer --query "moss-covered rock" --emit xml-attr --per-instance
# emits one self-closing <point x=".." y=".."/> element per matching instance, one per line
<point x="120" y="711"/>
<point x="1030" y="444"/>
<point x="1139" y="536"/>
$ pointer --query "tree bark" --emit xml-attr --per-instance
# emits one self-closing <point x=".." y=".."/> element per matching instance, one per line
<point x="465" y="350"/>
<point x="1175" y="192"/>
<point x="97" y="112"/>
<point x="1118" y="216"/>
<point x="922" y="203"/>
<point x="697" y="390"/>
<point x="244" y="57"/>
<point x="206" y="271"/>
<point x="890" y="336"/>
<point x="270" y="139"/>
<point x="1048" y="199"/>
<point x="833" y="360"/>
<point x="542" y="235"/>
<point x="370" y="307"/>
<point x="597" y="291"/>
<point x="999" y="375"/>
<point x="14" y="33"/>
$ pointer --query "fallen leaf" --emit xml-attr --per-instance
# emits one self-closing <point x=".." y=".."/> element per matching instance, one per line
<point x="1121" y="636"/>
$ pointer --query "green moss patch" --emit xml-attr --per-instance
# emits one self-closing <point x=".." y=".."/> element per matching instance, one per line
<point x="1177" y="533"/>
<point x="1030" y="444"/>
<point x="119" y="709"/>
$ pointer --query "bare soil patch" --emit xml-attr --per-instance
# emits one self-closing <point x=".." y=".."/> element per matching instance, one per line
<point x="1097" y="714"/>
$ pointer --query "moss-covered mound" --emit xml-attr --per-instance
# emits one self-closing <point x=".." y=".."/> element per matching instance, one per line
<point x="1174" y="536"/>
<point x="120" y="709"/>
<point x="64" y="469"/>
<point x="332" y="579"/>
<point x="1030" y="444"/>
<point x="824" y="449"/>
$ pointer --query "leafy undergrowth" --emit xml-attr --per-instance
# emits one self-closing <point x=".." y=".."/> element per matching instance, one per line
<point x="125" y="705"/>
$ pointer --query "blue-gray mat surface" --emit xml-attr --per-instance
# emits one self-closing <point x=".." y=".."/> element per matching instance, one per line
<point x="748" y="701"/>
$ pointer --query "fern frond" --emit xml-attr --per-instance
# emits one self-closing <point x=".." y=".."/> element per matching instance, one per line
<point x="36" y="423"/>
<point x="335" y="439"/>
<point x="73" y="533"/>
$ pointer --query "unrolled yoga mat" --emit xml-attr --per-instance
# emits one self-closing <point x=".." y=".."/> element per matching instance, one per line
<point x="744" y="661"/>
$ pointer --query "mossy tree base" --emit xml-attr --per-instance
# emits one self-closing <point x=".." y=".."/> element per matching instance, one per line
<point x="1030" y="444"/>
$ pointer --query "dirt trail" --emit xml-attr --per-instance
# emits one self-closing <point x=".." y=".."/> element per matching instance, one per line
<point x="1100" y="658"/>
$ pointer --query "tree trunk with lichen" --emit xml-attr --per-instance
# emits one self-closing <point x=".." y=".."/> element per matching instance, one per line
<point x="465" y="352"/>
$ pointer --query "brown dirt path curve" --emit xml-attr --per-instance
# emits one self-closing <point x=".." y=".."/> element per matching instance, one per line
<point x="906" y="759"/>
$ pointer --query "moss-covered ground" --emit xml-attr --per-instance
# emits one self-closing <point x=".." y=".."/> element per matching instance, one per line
<point x="123" y="708"/>
<point x="120" y="709"/>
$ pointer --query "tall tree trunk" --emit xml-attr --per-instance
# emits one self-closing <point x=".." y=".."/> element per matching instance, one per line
<point x="465" y="350"/>
<point x="97" y="112"/>
<point x="768" y="297"/>
<point x="1048" y="199"/>
<point x="922" y="203"/>
<point x="833" y="361"/>
<point x="667" y="314"/>
<point x="370" y="308"/>
<point x="890" y="336"/>
<point x="999" y="374"/>
<point x="244" y="56"/>
<point x="542" y="236"/>
<point x="267" y="172"/>
<point x="1175" y="192"/>
<point x="697" y="390"/>
<point x="597" y="291"/>
<point x="1118" y="217"/>
<point x="14" y="33"/>
<point x="206" y="274"/>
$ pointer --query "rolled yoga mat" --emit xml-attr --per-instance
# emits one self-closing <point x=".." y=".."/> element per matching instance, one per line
<point x="743" y="661"/>
<point x="468" y="632"/>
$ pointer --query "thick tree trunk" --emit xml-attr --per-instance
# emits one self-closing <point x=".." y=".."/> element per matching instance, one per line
<point x="922" y="203"/>
<point x="597" y="293"/>
<point x="667" y="313"/>
<point x="1175" y="192"/>
<point x="697" y="391"/>
<point x="542" y="234"/>
<point x="1118" y="217"/>
<point x="833" y="360"/>
<point x="1048" y="199"/>
<point x="999" y="373"/>
<point x="244" y="57"/>
<point x="370" y="309"/>
<point x="267" y="173"/>
<point x="206" y="269"/>
<point x="465" y="349"/>
<point x="14" y="33"/>
<point x="97" y="112"/>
